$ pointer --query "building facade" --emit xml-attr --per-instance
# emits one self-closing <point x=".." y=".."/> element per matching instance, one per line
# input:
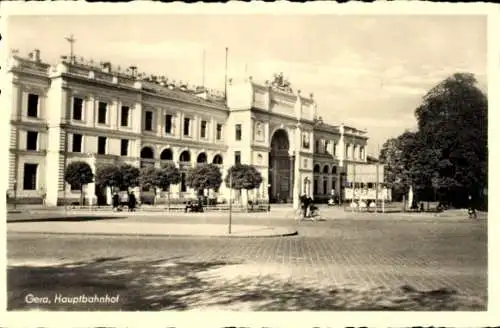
<point x="78" y="110"/>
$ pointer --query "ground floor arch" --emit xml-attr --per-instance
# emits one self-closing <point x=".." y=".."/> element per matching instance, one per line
<point x="281" y="168"/>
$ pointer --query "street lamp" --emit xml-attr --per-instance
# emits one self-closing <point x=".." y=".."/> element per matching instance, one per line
<point x="269" y="197"/>
<point x="15" y="194"/>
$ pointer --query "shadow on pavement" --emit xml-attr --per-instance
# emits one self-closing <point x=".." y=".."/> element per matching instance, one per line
<point x="65" y="218"/>
<point x="170" y="284"/>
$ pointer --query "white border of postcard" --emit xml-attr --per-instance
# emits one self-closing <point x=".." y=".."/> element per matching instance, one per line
<point x="268" y="319"/>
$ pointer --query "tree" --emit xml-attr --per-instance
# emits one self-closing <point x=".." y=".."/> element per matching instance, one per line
<point x="204" y="177"/>
<point x="148" y="177"/>
<point x="129" y="176"/>
<point x="243" y="176"/>
<point x="78" y="174"/>
<point x="107" y="175"/>
<point x="452" y="122"/>
<point x="168" y="175"/>
<point x="122" y="177"/>
<point x="396" y="155"/>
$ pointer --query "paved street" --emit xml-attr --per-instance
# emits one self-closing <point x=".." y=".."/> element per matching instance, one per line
<point x="343" y="264"/>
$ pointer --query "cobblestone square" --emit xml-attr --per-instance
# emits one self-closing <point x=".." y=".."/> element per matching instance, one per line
<point x="358" y="264"/>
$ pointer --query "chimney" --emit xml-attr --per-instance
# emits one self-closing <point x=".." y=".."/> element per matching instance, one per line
<point x="36" y="53"/>
<point x="133" y="70"/>
<point x="106" y="67"/>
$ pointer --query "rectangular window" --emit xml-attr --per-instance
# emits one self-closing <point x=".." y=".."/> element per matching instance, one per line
<point x="101" y="145"/>
<point x="316" y="146"/>
<point x="168" y="124"/>
<point x="102" y="112"/>
<point x="31" y="140"/>
<point x="361" y="152"/>
<point x="77" y="143"/>
<point x="125" y="115"/>
<point x="219" y="131"/>
<point x="203" y="130"/>
<point x="238" y="132"/>
<point x="124" y="147"/>
<point x="32" y="105"/>
<point x="237" y="157"/>
<point x="29" y="181"/>
<point x="148" y="121"/>
<point x="327" y="146"/>
<point x="334" y="149"/>
<point x="187" y="122"/>
<point x="77" y="109"/>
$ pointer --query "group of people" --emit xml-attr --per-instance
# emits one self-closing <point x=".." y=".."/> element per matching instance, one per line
<point x="129" y="200"/>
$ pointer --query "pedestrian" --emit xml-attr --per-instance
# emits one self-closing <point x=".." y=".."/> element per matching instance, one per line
<point x="309" y="211"/>
<point x="303" y="201"/>
<point x="115" y="201"/>
<point x="472" y="209"/>
<point x="131" y="202"/>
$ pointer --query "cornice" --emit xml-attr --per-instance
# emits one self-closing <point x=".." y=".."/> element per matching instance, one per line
<point x="40" y="125"/>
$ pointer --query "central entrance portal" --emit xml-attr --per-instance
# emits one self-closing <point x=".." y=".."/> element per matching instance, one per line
<point x="280" y="169"/>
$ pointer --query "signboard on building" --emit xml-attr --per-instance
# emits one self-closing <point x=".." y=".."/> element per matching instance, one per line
<point x="365" y="173"/>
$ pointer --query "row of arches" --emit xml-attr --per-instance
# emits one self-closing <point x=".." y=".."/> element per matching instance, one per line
<point x="185" y="156"/>
<point x="326" y="169"/>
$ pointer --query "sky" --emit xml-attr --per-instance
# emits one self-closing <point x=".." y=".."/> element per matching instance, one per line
<point x="368" y="71"/>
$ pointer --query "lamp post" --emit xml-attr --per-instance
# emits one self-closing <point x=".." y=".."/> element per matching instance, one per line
<point x="269" y="197"/>
<point x="230" y="200"/>
<point x="15" y="195"/>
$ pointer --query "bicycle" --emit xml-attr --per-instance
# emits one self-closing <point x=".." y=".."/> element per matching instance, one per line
<point x="313" y="214"/>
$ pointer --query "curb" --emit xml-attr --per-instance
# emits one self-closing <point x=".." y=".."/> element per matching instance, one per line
<point x="287" y="234"/>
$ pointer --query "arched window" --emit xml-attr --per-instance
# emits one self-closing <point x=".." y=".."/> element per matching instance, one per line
<point x="316" y="168"/>
<point x="334" y="169"/>
<point x="185" y="156"/>
<point x="325" y="169"/>
<point x="202" y="158"/>
<point x="147" y="152"/>
<point x="166" y="155"/>
<point x="217" y="159"/>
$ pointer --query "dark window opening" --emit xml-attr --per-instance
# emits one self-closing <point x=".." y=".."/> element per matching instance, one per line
<point x="186" y="126"/>
<point x="219" y="131"/>
<point x="102" y="112"/>
<point x="125" y="114"/>
<point x="203" y="130"/>
<point x="29" y="181"/>
<point x="168" y="124"/>
<point x="148" y="121"/>
<point x="31" y="140"/>
<point x="101" y="145"/>
<point x="124" y="147"/>
<point x="237" y="157"/>
<point x="183" y="182"/>
<point x="77" y="143"/>
<point x="238" y="132"/>
<point x="77" y="108"/>
<point x="32" y="105"/>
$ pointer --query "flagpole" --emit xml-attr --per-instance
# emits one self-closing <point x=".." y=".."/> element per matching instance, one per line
<point x="204" y="67"/>
<point x="225" y="75"/>
<point x="230" y="199"/>
<point x="378" y="181"/>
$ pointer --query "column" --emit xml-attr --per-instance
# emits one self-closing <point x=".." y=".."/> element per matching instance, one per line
<point x="291" y="184"/>
<point x="160" y="117"/>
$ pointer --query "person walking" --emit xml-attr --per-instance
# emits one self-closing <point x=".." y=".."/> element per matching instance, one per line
<point x="131" y="202"/>
<point x="116" y="201"/>
<point x="472" y="209"/>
